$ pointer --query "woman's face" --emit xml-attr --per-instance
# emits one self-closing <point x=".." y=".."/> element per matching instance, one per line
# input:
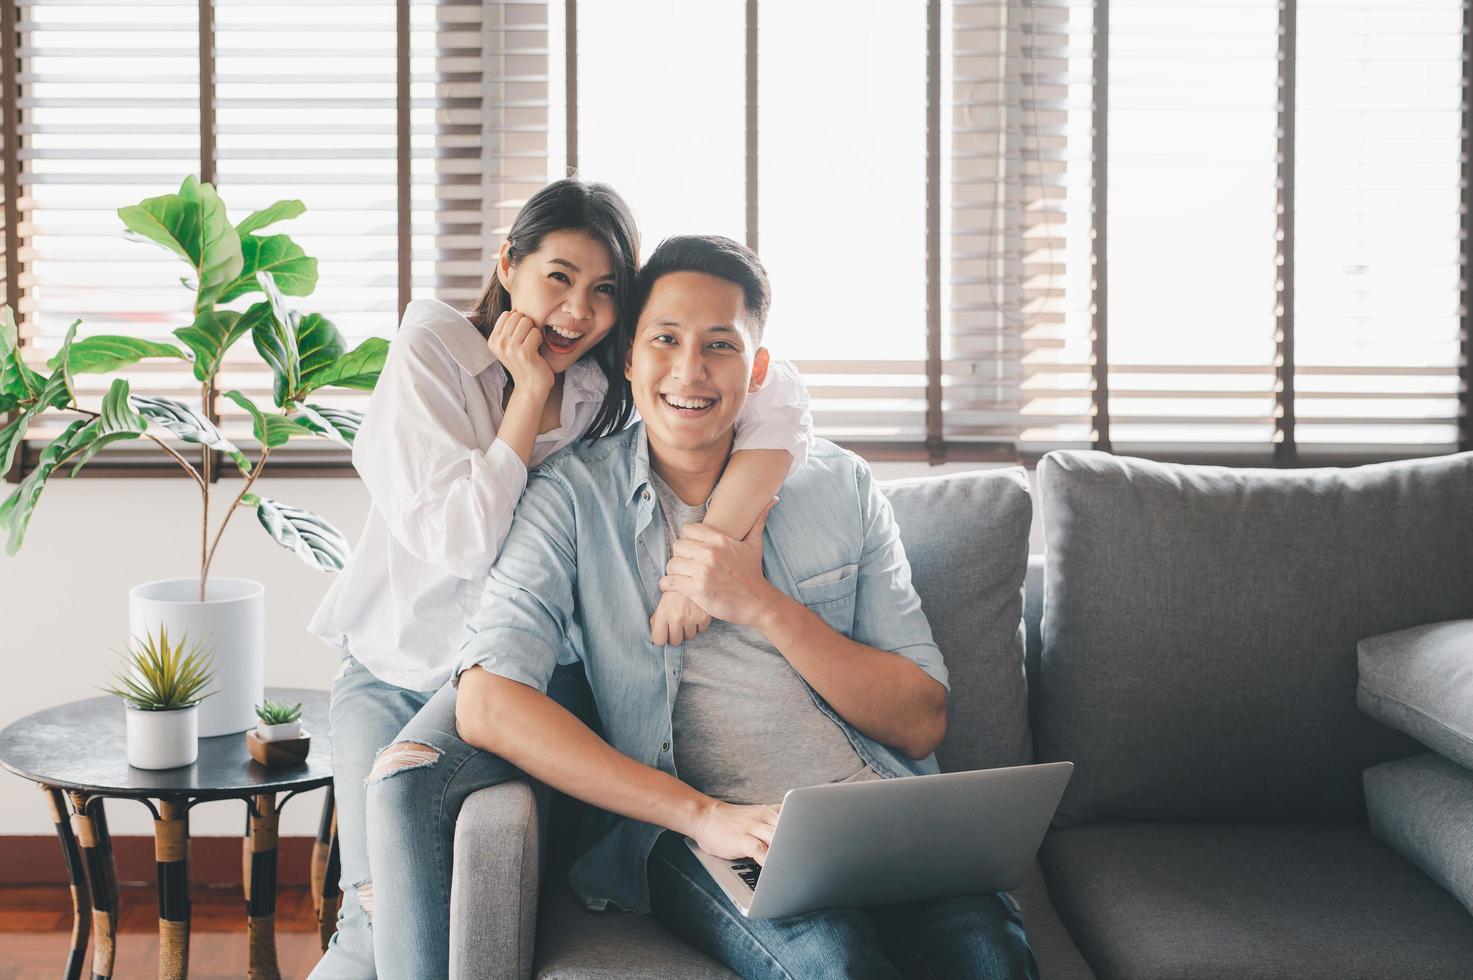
<point x="567" y="288"/>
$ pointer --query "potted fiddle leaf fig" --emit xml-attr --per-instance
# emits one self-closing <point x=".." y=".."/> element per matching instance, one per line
<point x="255" y="272"/>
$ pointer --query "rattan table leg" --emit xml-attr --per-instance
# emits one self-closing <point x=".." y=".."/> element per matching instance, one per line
<point x="325" y="871"/>
<point x="89" y="823"/>
<point x="76" y="879"/>
<point x="261" y="892"/>
<point x="171" y="852"/>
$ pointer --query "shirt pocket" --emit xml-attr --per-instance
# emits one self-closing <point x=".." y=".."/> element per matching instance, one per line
<point x="831" y="595"/>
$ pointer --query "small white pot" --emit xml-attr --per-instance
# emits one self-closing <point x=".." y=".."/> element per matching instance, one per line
<point x="163" y="739"/>
<point x="277" y="733"/>
<point x="231" y="622"/>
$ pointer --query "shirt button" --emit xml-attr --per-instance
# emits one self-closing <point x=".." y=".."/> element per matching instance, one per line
<point x="664" y="746"/>
<point x="645" y="495"/>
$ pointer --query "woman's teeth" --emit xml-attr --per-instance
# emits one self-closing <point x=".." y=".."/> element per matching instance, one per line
<point x="560" y="338"/>
<point x="676" y="401"/>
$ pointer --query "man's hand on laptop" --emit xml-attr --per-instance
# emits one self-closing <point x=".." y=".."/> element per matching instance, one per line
<point x="732" y="832"/>
<point x="721" y="574"/>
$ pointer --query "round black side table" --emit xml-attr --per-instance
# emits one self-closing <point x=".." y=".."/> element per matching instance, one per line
<point x="78" y="754"/>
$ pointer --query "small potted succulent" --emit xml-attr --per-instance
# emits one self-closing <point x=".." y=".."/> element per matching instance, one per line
<point x="277" y="720"/>
<point x="162" y="684"/>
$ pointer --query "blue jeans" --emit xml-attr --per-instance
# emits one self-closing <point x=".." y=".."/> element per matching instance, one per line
<point x="966" y="936"/>
<point x="414" y="798"/>
<point x="364" y="714"/>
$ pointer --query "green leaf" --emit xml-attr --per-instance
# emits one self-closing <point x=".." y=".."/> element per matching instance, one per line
<point x="214" y="332"/>
<point x="8" y="402"/>
<point x="315" y="541"/>
<point x="359" y="368"/>
<point x="276" y="341"/>
<point x="10" y="439"/>
<point x="17" y="380"/>
<point x="15" y="513"/>
<point x="280" y="211"/>
<point x="118" y="421"/>
<point x="103" y="354"/>
<point x="190" y="426"/>
<point x="338" y="424"/>
<point x="293" y="270"/>
<point x="9" y="333"/>
<point x="192" y="224"/>
<point x="64" y="358"/>
<point x="319" y="345"/>
<point x="270" y="430"/>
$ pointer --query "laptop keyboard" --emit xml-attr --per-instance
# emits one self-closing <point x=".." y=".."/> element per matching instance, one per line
<point x="747" y="870"/>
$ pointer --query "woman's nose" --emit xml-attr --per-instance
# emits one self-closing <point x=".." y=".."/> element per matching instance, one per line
<point x="578" y="306"/>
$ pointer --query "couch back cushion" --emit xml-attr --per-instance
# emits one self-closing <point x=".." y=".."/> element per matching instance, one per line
<point x="1200" y="628"/>
<point x="966" y="537"/>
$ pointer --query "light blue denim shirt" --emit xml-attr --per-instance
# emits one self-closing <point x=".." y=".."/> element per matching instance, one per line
<point x="577" y="580"/>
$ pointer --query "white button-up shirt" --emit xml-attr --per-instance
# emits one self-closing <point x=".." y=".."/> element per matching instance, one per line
<point x="443" y="489"/>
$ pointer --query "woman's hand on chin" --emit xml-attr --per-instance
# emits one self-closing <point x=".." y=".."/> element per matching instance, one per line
<point x="515" y="341"/>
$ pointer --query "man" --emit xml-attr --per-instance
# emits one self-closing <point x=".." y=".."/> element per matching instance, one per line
<point x="819" y="667"/>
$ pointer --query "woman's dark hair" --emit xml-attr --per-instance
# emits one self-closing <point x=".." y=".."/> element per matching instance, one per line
<point x="599" y="212"/>
<point x="715" y="256"/>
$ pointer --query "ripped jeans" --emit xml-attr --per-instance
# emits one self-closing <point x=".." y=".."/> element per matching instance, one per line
<point x="414" y="797"/>
<point x="365" y="715"/>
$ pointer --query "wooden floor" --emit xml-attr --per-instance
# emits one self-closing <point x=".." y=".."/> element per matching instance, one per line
<point x="36" y="925"/>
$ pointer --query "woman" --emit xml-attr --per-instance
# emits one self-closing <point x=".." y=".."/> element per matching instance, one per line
<point x="465" y="405"/>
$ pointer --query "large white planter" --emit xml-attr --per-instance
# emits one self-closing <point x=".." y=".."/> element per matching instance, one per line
<point x="163" y="739"/>
<point x="231" y="622"/>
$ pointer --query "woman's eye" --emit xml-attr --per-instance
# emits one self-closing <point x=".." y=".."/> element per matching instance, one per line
<point x="559" y="276"/>
<point x="664" y="338"/>
<point x="607" y="288"/>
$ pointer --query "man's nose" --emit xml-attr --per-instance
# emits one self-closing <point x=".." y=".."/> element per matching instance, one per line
<point x="690" y="365"/>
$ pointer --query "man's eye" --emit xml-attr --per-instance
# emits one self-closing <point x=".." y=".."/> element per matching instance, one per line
<point x="724" y="345"/>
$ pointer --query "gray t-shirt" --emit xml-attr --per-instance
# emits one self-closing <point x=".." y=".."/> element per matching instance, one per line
<point x="746" y="729"/>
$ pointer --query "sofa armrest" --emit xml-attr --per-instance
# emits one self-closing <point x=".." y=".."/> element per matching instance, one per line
<point x="493" y="891"/>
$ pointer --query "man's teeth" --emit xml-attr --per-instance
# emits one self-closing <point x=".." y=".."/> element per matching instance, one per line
<point x="565" y="334"/>
<point x="679" y="402"/>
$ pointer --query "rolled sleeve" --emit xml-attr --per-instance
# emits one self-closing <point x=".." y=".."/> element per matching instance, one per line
<point x="777" y="416"/>
<point x="887" y="610"/>
<point x="522" y="627"/>
<point x="446" y="501"/>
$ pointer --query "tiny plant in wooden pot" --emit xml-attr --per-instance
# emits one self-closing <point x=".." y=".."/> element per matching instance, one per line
<point x="162" y="684"/>
<point x="277" y="720"/>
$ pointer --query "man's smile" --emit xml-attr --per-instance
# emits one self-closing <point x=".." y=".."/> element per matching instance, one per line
<point x="688" y="406"/>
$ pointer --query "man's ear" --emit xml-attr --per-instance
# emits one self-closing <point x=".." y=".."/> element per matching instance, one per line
<point x="759" y="370"/>
<point x="629" y="363"/>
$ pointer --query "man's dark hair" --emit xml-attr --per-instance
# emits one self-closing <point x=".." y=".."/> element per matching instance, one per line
<point x="711" y="255"/>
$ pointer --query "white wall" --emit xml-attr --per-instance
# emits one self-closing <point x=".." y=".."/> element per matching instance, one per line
<point x="64" y="606"/>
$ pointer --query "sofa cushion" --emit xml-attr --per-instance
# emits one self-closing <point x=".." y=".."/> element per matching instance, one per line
<point x="1205" y="901"/>
<point x="1199" y="650"/>
<point x="1420" y="681"/>
<point x="966" y="537"/>
<point x="575" y="944"/>
<point x="1423" y="807"/>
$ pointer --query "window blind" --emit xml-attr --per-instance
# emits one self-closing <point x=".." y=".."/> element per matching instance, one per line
<point x="1192" y="118"/>
<point x="1376" y="247"/>
<point x="109" y="114"/>
<point x="1017" y="352"/>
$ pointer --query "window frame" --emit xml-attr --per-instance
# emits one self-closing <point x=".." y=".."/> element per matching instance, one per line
<point x="935" y="448"/>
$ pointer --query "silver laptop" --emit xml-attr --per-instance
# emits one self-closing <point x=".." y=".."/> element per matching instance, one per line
<point x="886" y="841"/>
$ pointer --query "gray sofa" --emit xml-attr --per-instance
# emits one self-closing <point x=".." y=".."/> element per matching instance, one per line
<point x="1196" y="660"/>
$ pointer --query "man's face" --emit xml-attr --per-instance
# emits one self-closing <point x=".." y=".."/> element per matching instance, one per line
<point x="693" y="361"/>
